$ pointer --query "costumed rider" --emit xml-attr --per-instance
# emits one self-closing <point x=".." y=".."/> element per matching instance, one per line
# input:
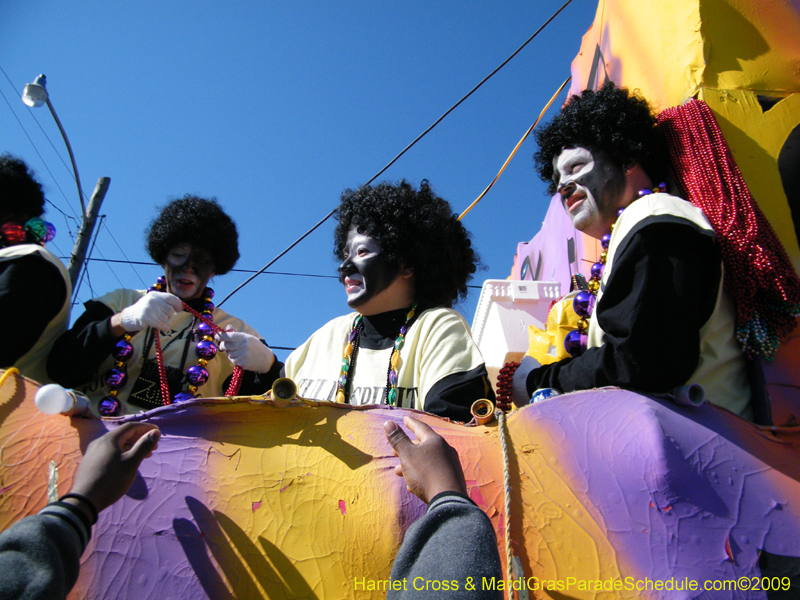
<point x="405" y="259"/>
<point x="110" y="353"/>
<point x="655" y="316"/>
<point x="35" y="287"/>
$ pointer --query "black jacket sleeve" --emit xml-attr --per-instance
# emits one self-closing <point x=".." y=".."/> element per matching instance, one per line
<point x="661" y="291"/>
<point x="454" y="395"/>
<point x="78" y="353"/>
<point x="32" y="292"/>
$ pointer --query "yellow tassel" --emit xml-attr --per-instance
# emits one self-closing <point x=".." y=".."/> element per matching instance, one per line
<point x="9" y="372"/>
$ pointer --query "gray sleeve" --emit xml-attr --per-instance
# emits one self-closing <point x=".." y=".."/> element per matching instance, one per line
<point x="452" y="543"/>
<point x="40" y="557"/>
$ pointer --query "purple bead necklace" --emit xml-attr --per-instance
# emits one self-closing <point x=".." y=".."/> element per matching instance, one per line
<point x="576" y="340"/>
<point x="206" y="349"/>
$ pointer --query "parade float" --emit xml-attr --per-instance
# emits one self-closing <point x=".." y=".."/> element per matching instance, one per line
<point x="592" y="494"/>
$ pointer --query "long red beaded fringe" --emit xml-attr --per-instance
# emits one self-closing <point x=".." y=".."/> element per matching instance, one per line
<point x="758" y="273"/>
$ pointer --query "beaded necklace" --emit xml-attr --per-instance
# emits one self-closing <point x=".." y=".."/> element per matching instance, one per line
<point x="35" y="230"/>
<point x="576" y="340"/>
<point x="351" y="353"/>
<point x="206" y="349"/>
<point x="758" y="273"/>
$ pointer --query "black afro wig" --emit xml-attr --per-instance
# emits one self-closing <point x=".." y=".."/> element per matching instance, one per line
<point x="21" y="196"/>
<point x="416" y="230"/>
<point x="196" y="221"/>
<point x="611" y="119"/>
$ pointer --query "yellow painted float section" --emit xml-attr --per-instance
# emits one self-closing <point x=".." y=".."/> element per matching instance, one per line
<point x="725" y="52"/>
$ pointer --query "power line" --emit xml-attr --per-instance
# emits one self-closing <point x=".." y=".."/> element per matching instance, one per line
<point x="25" y="131"/>
<point x="123" y="254"/>
<point x="152" y="264"/>
<point x="34" y="145"/>
<point x="87" y="260"/>
<point x="53" y="177"/>
<point x="402" y="152"/>
<point x="89" y="282"/>
<point x="71" y="173"/>
<point x="54" y="245"/>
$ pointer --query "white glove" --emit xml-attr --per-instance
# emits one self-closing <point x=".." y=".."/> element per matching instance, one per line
<point x="154" y="309"/>
<point x="519" y="387"/>
<point x="245" y="351"/>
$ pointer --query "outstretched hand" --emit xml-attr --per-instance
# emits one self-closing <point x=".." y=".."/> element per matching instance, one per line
<point x="429" y="464"/>
<point x="111" y="461"/>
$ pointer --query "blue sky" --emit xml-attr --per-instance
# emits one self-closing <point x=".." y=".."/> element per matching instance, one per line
<point x="274" y="108"/>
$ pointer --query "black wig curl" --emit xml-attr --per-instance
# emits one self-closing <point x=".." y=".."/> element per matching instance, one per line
<point x="416" y="230"/>
<point x="21" y="196"/>
<point x="612" y="120"/>
<point x="196" y="221"/>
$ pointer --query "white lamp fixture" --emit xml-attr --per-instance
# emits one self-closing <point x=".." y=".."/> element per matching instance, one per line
<point x="35" y="94"/>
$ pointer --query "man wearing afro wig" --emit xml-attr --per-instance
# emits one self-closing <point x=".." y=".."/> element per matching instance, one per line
<point x="405" y="259"/>
<point x="110" y="352"/>
<point x="655" y="315"/>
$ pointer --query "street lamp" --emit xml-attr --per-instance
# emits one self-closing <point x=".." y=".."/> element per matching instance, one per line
<point x="34" y="95"/>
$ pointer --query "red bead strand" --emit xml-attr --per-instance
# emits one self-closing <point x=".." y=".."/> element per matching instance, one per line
<point x="162" y="370"/>
<point x="758" y="273"/>
<point x="236" y="378"/>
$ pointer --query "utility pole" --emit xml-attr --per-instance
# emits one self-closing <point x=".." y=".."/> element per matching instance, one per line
<point x="87" y="227"/>
<point x="34" y="95"/>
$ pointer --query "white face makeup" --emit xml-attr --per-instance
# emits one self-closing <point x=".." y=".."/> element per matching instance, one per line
<point x="187" y="270"/>
<point x="591" y="189"/>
